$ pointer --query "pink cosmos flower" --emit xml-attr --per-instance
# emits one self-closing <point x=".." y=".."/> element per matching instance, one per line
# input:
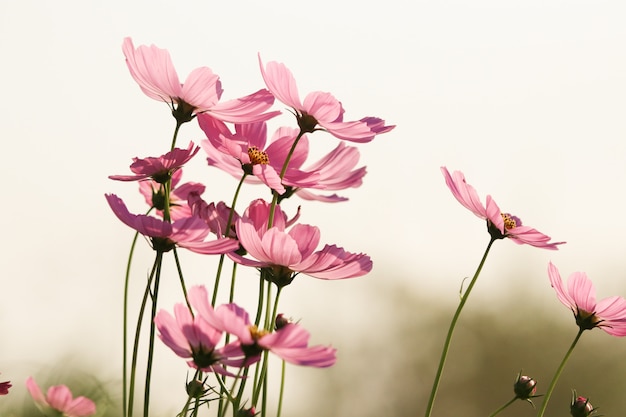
<point x="153" y="70"/>
<point x="4" y="387"/>
<point x="188" y="232"/>
<point x="318" y="108"/>
<point x="159" y="169"/>
<point x="290" y="342"/>
<point x="214" y="215"/>
<point x="580" y="296"/>
<point x="154" y="194"/>
<point x="59" y="398"/>
<point x="334" y="171"/>
<point x="193" y="337"/>
<point x="500" y="225"/>
<point x="283" y="254"/>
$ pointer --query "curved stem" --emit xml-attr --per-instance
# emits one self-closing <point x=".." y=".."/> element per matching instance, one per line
<point x="182" y="281"/>
<point x="270" y="221"/>
<point x="455" y="318"/>
<point x="155" y="293"/>
<point x="125" y="328"/>
<point x="557" y="374"/>
<point x="503" y="407"/>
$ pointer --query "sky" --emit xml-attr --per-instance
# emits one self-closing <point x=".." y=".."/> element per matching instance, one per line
<point x="526" y="98"/>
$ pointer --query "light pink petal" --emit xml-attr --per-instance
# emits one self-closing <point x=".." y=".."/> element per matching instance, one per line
<point x="528" y="235"/>
<point x="333" y="262"/>
<point x="324" y="107"/>
<point x="356" y="131"/>
<point x="171" y="334"/>
<point x="307" y="195"/>
<point x="307" y="237"/>
<point x="250" y="240"/>
<point x="557" y="284"/>
<point x="464" y="193"/>
<point x="202" y="89"/>
<point x="152" y="69"/>
<point x="493" y="213"/>
<point x="35" y="391"/>
<point x="146" y="225"/>
<point x="213" y="247"/>
<point x="281" y="83"/>
<point x="280" y="248"/>
<point x="236" y="322"/>
<point x="247" y="109"/>
<point x="59" y="397"/>
<point x="580" y="288"/>
<point x="80" y="407"/>
<point x="269" y="176"/>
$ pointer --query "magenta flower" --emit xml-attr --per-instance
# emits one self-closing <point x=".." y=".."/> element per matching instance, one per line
<point x="153" y="70"/>
<point x="500" y="225"/>
<point x="159" y="169"/>
<point x="580" y="296"/>
<point x="283" y="254"/>
<point x="188" y="232"/>
<point x="334" y="171"/>
<point x="193" y="337"/>
<point x="289" y="342"/>
<point x="154" y="194"/>
<point x="59" y="398"/>
<point x="4" y="387"/>
<point x="318" y="108"/>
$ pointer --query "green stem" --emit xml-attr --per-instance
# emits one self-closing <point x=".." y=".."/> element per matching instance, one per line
<point x="283" y="170"/>
<point x="182" y="281"/>
<point x="125" y="328"/>
<point x="455" y="318"/>
<point x="503" y="407"/>
<point x="557" y="374"/>
<point x="155" y="293"/>
<point x="176" y="129"/>
<point x="282" y="390"/>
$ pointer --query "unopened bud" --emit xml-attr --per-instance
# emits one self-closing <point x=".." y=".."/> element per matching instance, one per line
<point x="246" y="412"/>
<point x="581" y="407"/>
<point x="195" y="388"/>
<point x="525" y="387"/>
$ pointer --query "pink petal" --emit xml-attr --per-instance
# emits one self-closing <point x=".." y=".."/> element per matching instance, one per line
<point x="281" y="83"/>
<point x="464" y="193"/>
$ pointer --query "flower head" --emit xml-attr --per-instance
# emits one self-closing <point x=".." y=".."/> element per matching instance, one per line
<point x="153" y="70"/>
<point x="318" y="108"/>
<point x="59" y="398"/>
<point x="156" y="196"/>
<point x="230" y="152"/>
<point x="499" y="224"/>
<point x="580" y="296"/>
<point x="283" y="254"/>
<point x="159" y="169"/>
<point x="188" y="232"/>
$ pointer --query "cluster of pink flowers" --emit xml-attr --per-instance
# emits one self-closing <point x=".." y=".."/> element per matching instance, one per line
<point x="262" y="237"/>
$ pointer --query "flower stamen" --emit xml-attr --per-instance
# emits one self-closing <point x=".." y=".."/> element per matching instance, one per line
<point x="509" y="221"/>
<point x="258" y="157"/>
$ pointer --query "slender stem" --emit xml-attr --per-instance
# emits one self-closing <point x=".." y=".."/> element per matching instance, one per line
<point x="503" y="407"/>
<point x="155" y="293"/>
<point x="557" y="374"/>
<point x="176" y="129"/>
<point x="133" y="365"/>
<point x="283" y="170"/>
<point x="282" y="389"/>
<point x="125" y="327"/>
<point x="455" y="318"/>
<point x="182" y="280"/>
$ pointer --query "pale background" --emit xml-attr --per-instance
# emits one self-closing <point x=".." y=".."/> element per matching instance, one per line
<point x="527" y="98"/>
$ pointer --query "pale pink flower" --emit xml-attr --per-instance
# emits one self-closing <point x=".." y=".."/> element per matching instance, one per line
<point x="154" y="194"/>
<point x="159" y="169"/>
<point x="193" y="337"/>
<point x="318" y="108"/>
<point x="580" y="296"/>
<point x="500" y="225"/>
<point x="334" y="171"/>
<point x="153" y="70"/>
<point x="283" y="254"/>
<point x="4" y="387"/>
<point x="290" y="342"/>
<point x="189" y="232"/>
<point x="59" y="397"/>
<point x="216" y="216"/>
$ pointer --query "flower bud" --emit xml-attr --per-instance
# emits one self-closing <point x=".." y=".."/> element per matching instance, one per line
<point x="281" y="321"/>
<point x="524" y="387"/>
<point x="581" y="407"/>
<point x="246" y="412"/>
<point x="195" y="388"/>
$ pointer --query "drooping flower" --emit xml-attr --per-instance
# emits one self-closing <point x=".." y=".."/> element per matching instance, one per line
<point x="283" y="254"/>
<point x="334" y="171"/>
<point x="608" y="314"/>
<point x="59" y="397"/>
<point x="194" y="337"/>
<point x="4" y="387"/>
<point x="159" y="169"/>
<point x="319" y="110"/>
<point x="189" y="232"/>
<point x="290" y="342"/>
<point x="499" y="224"/>
<point x="153" y="70"/>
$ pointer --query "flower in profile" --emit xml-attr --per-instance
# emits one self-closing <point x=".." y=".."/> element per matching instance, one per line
<point x="334" y="171"/>
<point x="193" y="337"/>
<point x="4" y="387"/>
<point x="580" y="296"/>
<point x="188" y="232"/>
<point x="319" y="110"/>
<point x="159" y="169"/>
<point x="155" y="195"/>
<point x="499" y="224"/>
<point x="153" y="70"/>
<point x="283" y="254"/>
<point x="290" y="342"/>
<point x="59" y="398"/>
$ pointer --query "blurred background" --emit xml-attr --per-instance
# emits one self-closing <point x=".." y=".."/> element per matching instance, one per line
<point x="526" y="99"/>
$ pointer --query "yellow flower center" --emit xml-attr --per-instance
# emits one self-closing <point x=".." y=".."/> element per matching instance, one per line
<point x="257" y="333"/>
<point x="258" y="157"/>
<point x="509" y="222"/>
